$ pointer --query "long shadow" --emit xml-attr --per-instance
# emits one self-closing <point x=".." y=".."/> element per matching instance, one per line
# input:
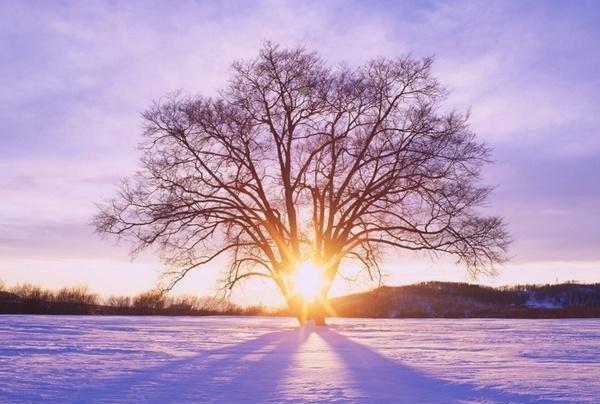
<point x="253" y="371"/>
<point x="245" y="372"/>
<point x="377" y="379"/>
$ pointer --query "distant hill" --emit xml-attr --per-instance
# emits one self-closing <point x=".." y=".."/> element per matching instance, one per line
<point x="462" y="300"/>
<point x="429" y="299"/>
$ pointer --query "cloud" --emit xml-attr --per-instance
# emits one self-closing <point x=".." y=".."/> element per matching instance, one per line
<point x="75" y="77"/>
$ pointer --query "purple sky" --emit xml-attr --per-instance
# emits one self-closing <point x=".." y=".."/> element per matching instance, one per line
<point x="76" y="76"/>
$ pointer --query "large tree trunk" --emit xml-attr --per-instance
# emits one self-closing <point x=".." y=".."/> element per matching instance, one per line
<point x="317" y="312"/>
<point x="307" y="312"/>
<point x="298" y="309"/>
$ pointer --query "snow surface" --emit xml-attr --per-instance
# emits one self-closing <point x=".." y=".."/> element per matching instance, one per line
<point x="258" y="359"/>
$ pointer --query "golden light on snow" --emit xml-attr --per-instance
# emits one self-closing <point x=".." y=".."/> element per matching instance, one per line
<point x="308" y="280"/>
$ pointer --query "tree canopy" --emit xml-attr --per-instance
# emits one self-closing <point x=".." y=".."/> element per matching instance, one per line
<point x="299" y="161"/>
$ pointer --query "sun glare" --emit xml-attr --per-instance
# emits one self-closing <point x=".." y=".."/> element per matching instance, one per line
<point x="308" y="280"/>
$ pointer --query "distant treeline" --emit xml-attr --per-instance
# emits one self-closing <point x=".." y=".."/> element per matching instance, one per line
<point x="423" y="300"/>
<point x="31" y="299"/>
<point x="463" y="300"/>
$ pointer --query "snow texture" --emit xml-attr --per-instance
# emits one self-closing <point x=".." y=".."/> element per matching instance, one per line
<point x="231" y="359"/>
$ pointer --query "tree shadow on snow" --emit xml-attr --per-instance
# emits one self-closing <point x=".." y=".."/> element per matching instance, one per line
<point x="382" y="380"/>
<point x="245" y="372"/>
<point x="253" y="372"/>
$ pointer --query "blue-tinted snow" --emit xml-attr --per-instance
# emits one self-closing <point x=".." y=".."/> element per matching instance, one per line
<point x="229" y="359"/>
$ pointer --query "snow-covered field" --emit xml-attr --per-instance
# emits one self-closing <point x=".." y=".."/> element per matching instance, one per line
<point x="230" y="359"/>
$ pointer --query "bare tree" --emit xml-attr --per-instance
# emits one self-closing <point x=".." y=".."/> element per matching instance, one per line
<point x="296" y="161"/>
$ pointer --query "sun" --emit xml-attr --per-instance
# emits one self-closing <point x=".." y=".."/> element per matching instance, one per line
<point x="308" y="280"/>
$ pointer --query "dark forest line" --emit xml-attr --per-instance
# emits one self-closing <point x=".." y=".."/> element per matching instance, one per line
<point x="78" y="300"/>
<point x="422" y="300"/>
<point x="463" y="300"/>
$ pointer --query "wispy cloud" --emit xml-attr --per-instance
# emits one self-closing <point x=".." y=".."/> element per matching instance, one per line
<point x="76" y="75"/>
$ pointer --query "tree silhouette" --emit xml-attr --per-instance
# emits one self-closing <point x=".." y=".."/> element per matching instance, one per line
<point x="297" y="161"/>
